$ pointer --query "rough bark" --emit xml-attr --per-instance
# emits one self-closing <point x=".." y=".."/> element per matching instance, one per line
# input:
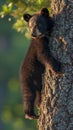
<point x="56" y="111"/>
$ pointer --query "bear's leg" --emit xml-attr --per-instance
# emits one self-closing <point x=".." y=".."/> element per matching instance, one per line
<point x="38" y="99"/>
<point x="29" y="110"/>
<point x="29" y="95"/>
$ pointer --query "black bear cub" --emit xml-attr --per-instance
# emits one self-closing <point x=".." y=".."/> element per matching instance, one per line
<point x="37" y="58"/>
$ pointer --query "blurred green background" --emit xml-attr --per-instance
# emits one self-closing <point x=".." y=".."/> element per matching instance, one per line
<point x="13" y="47"/>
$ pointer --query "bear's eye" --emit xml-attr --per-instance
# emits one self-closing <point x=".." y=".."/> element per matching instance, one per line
<point x="39" y="25"/>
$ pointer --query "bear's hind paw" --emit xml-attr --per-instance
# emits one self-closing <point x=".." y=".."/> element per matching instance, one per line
<point x="27" y="116"/>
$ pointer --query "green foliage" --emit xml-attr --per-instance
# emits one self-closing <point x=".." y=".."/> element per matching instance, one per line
<point x="16" y="9"/>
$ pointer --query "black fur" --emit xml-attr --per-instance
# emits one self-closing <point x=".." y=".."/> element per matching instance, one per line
<point x="37" y="58"/>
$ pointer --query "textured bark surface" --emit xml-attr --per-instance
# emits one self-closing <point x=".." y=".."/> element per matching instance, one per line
<point x="56" y="111"/>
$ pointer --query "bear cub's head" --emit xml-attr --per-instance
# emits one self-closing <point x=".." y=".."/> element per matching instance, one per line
<point x="40" y="23"/>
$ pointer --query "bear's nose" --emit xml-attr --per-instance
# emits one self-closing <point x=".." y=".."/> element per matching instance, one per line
<point x="33" y="34"/>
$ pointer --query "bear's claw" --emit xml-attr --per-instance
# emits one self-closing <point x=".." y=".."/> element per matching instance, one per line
<point x="27" y="116"/>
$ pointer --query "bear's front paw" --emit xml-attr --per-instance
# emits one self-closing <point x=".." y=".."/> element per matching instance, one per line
<point x="57" y="68"/>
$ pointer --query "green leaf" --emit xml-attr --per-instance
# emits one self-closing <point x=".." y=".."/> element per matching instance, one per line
<point x="5" y="9"/>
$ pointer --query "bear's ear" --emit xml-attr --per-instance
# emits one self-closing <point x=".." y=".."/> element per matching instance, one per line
<point x="27" y="17"/>
<point x="44" y="11"/>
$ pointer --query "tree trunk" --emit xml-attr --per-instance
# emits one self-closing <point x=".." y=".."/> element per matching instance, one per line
<point x="56" y="111"/>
